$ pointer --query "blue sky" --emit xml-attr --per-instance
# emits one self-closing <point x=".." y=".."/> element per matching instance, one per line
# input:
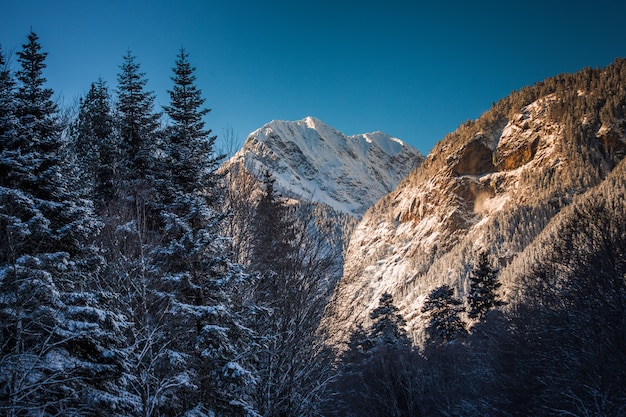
<point x="413" y="69"/>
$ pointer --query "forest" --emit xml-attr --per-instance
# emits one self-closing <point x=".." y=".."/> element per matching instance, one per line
<point x="135" y="282"/>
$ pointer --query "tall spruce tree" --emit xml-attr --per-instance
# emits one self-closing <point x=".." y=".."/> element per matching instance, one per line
<point x="388" y="326"/>
<point x="54" y="333"/>
<point x="97" y="143"/>
<point x="443" y="310"/>
<point x="190" y="146"/>
<point x="138" y="122"/>
<point x="196" y="281"/>
<point x="483" y="293"/>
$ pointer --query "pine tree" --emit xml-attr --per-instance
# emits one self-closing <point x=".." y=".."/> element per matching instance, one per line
<point x="483" y="288"/>
<point x="138" y="123"/>
<point x="388" y="325"/>
<point x="96" y="142"/>
<point x="196" y="282"/>
<point x="443" y="311"/>
<point x="386" y="333"/>
<point x="55" y="336"/>
<point x="190" y="147"/>
<point x="7" y="106"/>
<point x="377" y="373"/>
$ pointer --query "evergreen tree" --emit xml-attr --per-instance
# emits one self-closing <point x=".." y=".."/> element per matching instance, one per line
<point x="443" y="311"/>
<point x="291" y="293"/>
<point x="7" y="106"/>
<point x="190" y="147"/>
<point x="38" y="143"/>
<point x="387" y="332"/>
<point x="138" y="123"/>
<point x="55" y="336"/>
<point x="40" y="160"/>
<point x="96" y="142"/>
<point x="388" y="325"/>
<point x="195" y="280"/>
<point x="483" y="288"/>
<point x="378" y="372"/>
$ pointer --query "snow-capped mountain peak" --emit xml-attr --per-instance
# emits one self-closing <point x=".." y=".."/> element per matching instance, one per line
<point x="312" y="161"/>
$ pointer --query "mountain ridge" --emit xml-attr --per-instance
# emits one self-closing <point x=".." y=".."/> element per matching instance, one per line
<point x="312" y="161"/>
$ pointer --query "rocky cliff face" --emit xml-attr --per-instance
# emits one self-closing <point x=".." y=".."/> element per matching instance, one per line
<point x="493" y="185"/>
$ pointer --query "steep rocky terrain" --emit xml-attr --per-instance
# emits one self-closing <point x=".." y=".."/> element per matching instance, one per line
<point x="314" y="162"/>
<point x="493" y="185"/>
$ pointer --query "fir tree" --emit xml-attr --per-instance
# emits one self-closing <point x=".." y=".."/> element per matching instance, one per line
<point x="55" y="341"/>
<point x="483" y="288"/>
<point x="196" y="282"/>
<point x="190" y="148"/>
<point x="443" y="311"/>
<point x="96" y="142"/>
<point x="272" y="230"/>
<point x="376" y="372"/>
<point x="37" y="166"/>
<point x="138" y="123"/>
<point x="388" y="325"/>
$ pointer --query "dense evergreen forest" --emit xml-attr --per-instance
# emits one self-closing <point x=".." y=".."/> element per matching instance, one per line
<point x="134" y="283"/>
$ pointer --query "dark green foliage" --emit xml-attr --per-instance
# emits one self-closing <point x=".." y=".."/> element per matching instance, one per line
<point x="443" y="310"/>
<point x="190" y="148"/>
<point x="138" y="123"/>
<point x="483" y="293"/>
<point x="36" y="150"/>
<point x="39" y="164"/>
<point x="388" y="326"/>
<point x="97" y="143"/>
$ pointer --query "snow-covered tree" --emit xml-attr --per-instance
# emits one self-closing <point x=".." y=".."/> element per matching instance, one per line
<point x="388" y="326"/>
<point x="138" y="122"/>
<point x="56" y="345"/>
<point x="196" y="281"/>
<point x="483" y="293"/>
<point x="96" y="142"/>
<point x="192" y="161"/>
<point x="443" y="310"/>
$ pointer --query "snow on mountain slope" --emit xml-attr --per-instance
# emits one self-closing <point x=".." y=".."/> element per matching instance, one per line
<point x="314" y="162"/>
<point x="493" y="185"/>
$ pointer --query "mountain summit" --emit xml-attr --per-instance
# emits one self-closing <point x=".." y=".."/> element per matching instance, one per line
<point x="314" y="162"/>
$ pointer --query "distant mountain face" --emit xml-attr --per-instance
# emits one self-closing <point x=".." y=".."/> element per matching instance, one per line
<point x="313" y="162"/>
<point x="497" y="184"/>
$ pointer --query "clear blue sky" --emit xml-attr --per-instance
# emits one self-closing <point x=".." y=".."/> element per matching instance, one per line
<point x="413" y="69"/>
